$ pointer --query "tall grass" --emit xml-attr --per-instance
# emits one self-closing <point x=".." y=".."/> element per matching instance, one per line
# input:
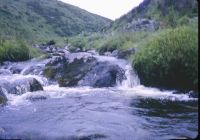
<point x="107" y="42"/>
<point x="170" y="59"/>
<point x="15" y="50"/>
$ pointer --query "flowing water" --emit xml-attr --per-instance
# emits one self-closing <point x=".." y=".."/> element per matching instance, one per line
<point x="126" y="112"/>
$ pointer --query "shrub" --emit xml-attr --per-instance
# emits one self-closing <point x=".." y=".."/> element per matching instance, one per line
<point x="15" y="50"/>
<point x="184" y="20"/>
<point x="170" y="60"/>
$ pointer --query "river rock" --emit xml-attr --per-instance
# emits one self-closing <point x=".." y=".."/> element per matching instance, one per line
<point x="103" y="74"/>
<point x="5" y="72"/>
<point x="83" y="69"/>
<point x="14" y="68"/>
<point x="19" y="85"/>
<point x="3" y="98"/>
<point x="68" y="71"/>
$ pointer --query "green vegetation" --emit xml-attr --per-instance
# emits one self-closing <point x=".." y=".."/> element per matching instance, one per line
<point x="170" y="59"/>
<point x="107" y="42"/>
<point x="170" y="13"/>
<point x="38" y="21"/>
<point x="16" y="50"/>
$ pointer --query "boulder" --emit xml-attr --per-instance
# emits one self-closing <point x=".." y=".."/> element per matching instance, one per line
<point x="103" y="74"/>
<point x="67" y="71"/>
<point x="83" y="69"/>
<point x="19" y="85"/>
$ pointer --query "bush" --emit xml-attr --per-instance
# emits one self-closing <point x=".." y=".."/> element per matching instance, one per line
<point x="184" y="20"/>
<point x="170" y="60"/>
<point x="15" y="50"/>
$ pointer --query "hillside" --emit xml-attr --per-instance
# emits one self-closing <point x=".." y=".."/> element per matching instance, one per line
<point x="38" y="20"/>
<point x="166" y="13"/>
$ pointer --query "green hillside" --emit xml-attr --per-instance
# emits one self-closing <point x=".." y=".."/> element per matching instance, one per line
<point x="169" y="13"/>
<point x="39" y="20"/>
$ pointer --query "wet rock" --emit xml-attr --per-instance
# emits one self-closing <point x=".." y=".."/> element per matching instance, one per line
<point x="193" y="94"/>
<point x="124" y="54"/>
<point x="86" y="137"/>
<point x="83" y="69"/>
<point x="93" y="52"/>
<point x="68" y="71"/>
<point x="37" y="98"/>
<point x="103" y="74"/>
<point x="14" y="68"/>
<point x="35" y="85"/>
<point x="106" y="49"/>
<point x="115" y="53"/>
<point x="3" y="98"/>
<point x="19" y="85"/>
<point x="5" y="72"/>
<point x="108" y="54"/>
<point x="34" y="67"/>
<point x="35" y="70"/>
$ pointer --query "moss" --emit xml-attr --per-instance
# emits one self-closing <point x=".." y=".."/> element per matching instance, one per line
<point x="2" y="100"/>
<point x="49" y="73"/>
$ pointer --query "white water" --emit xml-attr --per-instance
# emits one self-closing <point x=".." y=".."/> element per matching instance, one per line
<point x="129" y="87"/>
<point x="82" y="111"/>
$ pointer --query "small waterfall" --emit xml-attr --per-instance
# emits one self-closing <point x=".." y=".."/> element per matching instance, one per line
<point x="132" y="78"/>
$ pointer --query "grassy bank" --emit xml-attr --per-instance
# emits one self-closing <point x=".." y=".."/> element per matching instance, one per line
<point x="16" y="50"/>
<point x="170" y="59"/>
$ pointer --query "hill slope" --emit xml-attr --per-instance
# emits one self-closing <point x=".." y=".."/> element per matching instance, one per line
<point x="45" y="19"/>
<point x="167" y="12"/>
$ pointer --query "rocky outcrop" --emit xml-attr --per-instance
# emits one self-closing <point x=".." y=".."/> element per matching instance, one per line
<point x="141" y="25"/>
<point x="19" y="85"/>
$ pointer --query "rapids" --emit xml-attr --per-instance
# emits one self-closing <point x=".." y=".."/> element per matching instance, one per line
<point x="127" y="111"/>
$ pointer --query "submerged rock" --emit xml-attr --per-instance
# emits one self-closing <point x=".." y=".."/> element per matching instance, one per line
<point x="37" y="98"/>
<point x="20" y="85"/>
<point x="5" y="72"/>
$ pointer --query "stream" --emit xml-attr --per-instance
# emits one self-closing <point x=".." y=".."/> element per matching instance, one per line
<point x="127" y="111"/>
